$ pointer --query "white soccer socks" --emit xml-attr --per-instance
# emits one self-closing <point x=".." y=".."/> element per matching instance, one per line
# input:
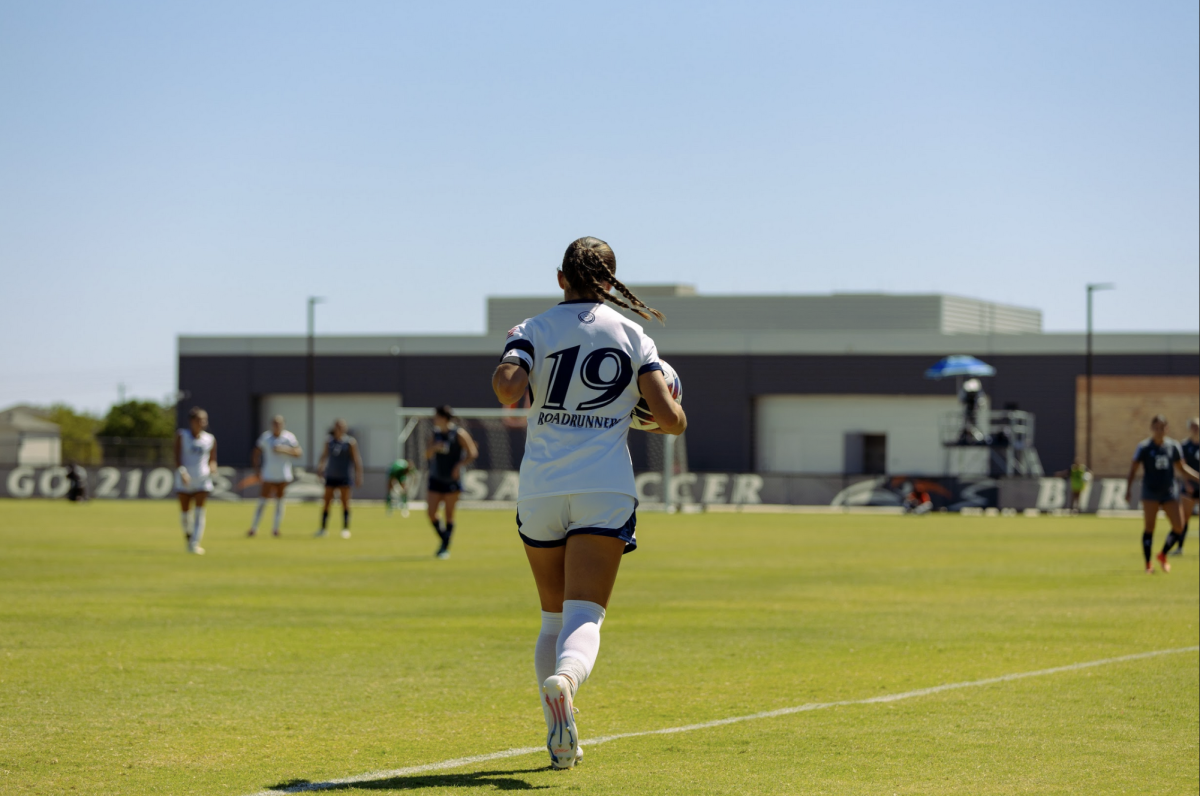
<point x="258" y="511"/>
<point x="579" y="640"/>
<point x="198" y="528"/>
<point x="278" y="515"/>
<point x="545" y="653"/>
<point x="185" y="522"/>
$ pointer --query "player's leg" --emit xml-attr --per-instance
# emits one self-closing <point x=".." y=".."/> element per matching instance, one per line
<point x="434" y="501"/>
<point x="542" y="526"/>
<point x="450" y="500"/>
<point x="185" y="520"/>
<point x="1149" y="518"/>
<point x="403" y="484"/>
<point x="198" y="520"/>
<point x="326" y="499"/>
<point x="1171" y="509"/>
<point x="277" y="517"/>
<point x="391" y="490"/>
<point x="547" y="564"/>
<point x="1187" y="505"/>
<point x="590" y="566"/>
<point x="258" y="510"/>
<point x="344" y="494"/>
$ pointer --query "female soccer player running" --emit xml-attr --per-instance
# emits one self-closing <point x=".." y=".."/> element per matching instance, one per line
<point x="587" y="367"/>
<point x="1160" y="457"/>
<point x="195" y="462"/>
<point x="450" y="450"/>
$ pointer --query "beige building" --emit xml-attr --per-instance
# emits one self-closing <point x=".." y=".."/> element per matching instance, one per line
<point x="1122" y="407"/>
<point x="28" y="438"/>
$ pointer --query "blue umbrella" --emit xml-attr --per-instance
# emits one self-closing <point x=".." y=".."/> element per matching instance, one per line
<point x="959" y="365"/>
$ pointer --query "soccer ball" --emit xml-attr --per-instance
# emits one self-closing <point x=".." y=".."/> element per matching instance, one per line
<point x="643" y="420"/>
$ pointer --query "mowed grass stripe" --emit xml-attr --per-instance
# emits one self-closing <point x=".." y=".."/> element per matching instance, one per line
<point x="460" y="762"/>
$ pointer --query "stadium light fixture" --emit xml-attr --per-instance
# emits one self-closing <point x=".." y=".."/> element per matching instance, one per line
<point x="311" y="379"/>
<point x="1091" y="288"/>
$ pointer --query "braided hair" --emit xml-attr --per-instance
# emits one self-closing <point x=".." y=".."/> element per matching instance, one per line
<point x="588" y="264"/>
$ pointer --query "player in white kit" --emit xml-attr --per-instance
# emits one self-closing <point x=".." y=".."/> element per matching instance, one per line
<point x="272" y="458"/>
<point x="195" y="462"/>
<point x="587" y="366"/>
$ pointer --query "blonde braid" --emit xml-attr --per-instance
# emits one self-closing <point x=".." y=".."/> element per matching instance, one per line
<point x="637" y="302"/>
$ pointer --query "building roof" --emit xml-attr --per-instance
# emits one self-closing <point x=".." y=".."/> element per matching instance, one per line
<point x="837" y="324"/>
<point x="26" y="420"/>
<point x="839" y="312"/>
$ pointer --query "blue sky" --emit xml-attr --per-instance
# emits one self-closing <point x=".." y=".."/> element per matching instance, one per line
<point x="173" y="168"/>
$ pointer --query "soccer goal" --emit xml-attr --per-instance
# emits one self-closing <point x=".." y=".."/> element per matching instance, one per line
<point x="658" y="459"/>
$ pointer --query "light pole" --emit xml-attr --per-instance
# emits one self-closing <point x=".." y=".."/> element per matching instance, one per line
<point x="1091" y="288"/>
<point x="313" y="301"/>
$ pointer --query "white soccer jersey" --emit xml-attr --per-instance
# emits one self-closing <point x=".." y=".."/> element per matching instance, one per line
<point x="583" y="359"/>
<point x="277" y="467"/>
<point x="194" y="453"/>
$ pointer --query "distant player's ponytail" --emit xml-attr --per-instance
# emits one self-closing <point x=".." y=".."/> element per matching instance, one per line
<point x="588" y="264"/>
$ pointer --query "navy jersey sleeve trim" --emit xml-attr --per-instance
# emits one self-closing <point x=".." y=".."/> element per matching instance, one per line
<point x="580" y="301"/>
<point x="520" y="345"/>
<point x="516" y="359"/>
<point x="649" y="367"/>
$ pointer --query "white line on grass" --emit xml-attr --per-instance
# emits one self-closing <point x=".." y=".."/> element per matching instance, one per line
<point x="529" y="750"/>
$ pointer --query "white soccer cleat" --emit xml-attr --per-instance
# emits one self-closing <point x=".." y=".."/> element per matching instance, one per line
<point x="197" y="550"/>
<point x="562" y="739"/>
<point x="345" y="534"/>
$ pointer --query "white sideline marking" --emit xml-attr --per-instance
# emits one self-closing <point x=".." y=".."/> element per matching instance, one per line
<point x="529" y="750"/>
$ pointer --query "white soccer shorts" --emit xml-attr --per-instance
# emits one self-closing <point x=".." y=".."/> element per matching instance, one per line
<point x="199" y="483"/>
<point x="548" y="521"/>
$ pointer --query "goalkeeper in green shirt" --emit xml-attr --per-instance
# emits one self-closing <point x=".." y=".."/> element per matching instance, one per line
<point x="397" y="485"/>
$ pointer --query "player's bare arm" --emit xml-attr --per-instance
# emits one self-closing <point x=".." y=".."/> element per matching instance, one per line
<point x="324" y="458"/>
<point x="212" y="457"/>
<point x="1185" y="471"/>
<point x="1133" y="468"/>
<point x="179" y="468"/>
<point x="470" y="449"/>
<point x="358" y="462"/>
<point x="295" y="451"/>
<point x="510" y="381"/>
<point x="670" y="415"/>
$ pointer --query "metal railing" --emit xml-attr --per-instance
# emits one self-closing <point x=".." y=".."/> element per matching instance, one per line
<point x="137" y="452"/>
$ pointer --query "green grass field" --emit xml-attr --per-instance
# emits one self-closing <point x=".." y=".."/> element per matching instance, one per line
<point x="129" y="667"/>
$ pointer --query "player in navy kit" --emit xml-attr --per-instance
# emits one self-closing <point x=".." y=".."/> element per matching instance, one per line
<point x="450" y="450"/>
<point x="1160" y="458"/>
<point x="1191" y="488"/>
<point x="341" y="466"/>
<point x="587" y="367"/>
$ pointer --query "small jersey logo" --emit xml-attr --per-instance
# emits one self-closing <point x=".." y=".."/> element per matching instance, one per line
<point x="587" y="317"/>
<point x="512" y="331"/>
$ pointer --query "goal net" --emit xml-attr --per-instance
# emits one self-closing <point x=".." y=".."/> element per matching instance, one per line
<point x="499" y="433"/>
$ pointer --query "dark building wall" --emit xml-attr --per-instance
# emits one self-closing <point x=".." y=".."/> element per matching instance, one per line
<point x="719" y="391"/>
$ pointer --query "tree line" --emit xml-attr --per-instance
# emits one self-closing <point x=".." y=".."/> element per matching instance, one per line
<point x="81" y="432"/>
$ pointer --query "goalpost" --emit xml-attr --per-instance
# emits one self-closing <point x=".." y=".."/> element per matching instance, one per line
<point x="499" y="432"/>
